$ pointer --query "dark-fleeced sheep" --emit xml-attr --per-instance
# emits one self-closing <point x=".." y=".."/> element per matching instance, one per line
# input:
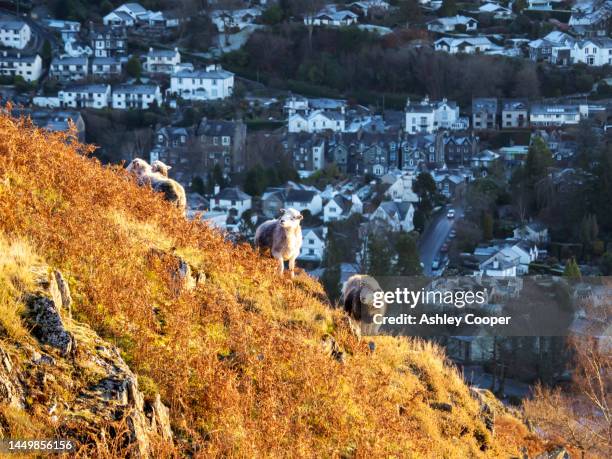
<point x="358" y="301"/>
<point x="146" y="175"/>
<point x="284" y="238"/>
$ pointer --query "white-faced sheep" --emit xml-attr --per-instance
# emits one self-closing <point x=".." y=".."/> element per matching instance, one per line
<point x="161" y="167"/>
<point x="358" y="301"/>
<point x="284" y="238"/>
<point x="145" y="175"/>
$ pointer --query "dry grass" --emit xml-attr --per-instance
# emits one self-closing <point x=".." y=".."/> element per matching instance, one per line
<point x="238" y="360"/>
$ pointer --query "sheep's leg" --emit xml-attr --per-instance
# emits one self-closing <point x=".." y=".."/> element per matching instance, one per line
<point x="292" y="267"/>
<point x="281" y="265"/>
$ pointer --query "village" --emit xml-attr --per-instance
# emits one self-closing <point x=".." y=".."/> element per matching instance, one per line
<point x="424" y="184"/>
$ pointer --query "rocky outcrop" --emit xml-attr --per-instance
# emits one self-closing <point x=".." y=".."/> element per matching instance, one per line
<point x="81" y="381"/>
<point x="183" y="276"/>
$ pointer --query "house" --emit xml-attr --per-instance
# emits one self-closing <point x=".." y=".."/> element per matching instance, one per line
<point x="162" y="60"/>
<point x="515" y="113"/>
<point x="298" y="104"/>
<point x="533" y="231"/>
<point x="179" y="147"/>
<point x="67" y="29"/>
<point x="118" y="19"/>
<point x="497" y="265"/>
<point x="591" y="19"/>
<point x="304" y="200"/>
<point x="449" y="184"/>
<point x="452" y="24"/>
<point x="231" y="198"/>
<point x="429" y="116"/>
<point x="313" y="244"/>
<point x="316" y="121"/>
<point x="330" y="16"/>
<point x="518" y="253"/>
<point x="541" y="5"/>
<point x="484" y="113"/>
<point x="459" y="149"/>
<point x="225" y="20"/>
<point x="69" y="68"/>
<point x="541" y="49"/>
<point x="213" y="83"/>
<point x="484" y="160"/>
<point x="498" y="11"/>
<point x="221" y="143"/>
<point x="307" y="153"/>
<point x="27" y="67"/>
<point x="466" y="45"/>
<point x="106" y="67"/>
<point x="401" y="189"/>
<point x="108" y="41"/>
<point x="14" y="33"/>
<point x="364" y="8"/>
<point x="397" y="215"/>
<point x="164" y="20"/>
<point x="135" y="10"/>
<point x="54" y="120"/>
<point x="340" y="208"/>
<point x="85" y="96"/>
<point x="595" y="52"/>
<point x="555" y="114"/>
<point x="136" y="96"/>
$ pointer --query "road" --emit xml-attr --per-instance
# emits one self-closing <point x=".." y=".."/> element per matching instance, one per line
<point x="435" y="235"/>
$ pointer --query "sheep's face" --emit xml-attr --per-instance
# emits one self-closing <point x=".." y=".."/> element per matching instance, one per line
<point x="139" y="166"/>
<point x="290" y="218"/>
<point x="159" y="166"/>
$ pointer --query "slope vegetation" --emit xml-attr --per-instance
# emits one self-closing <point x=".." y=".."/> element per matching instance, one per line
<point x="240" y="357"/>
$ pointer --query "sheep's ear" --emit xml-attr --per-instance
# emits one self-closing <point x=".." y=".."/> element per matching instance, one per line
<point x="168" y="167"/>
<point x="300" y="217"/>
<point x="282" y="211"/>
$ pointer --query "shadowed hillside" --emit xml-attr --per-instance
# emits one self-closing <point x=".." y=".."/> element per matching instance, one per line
<point x="249" y="365"/>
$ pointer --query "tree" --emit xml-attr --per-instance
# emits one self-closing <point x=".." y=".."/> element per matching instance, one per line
<point x="572" y="271"/>
<point x="606" y="264"/>
<point x="588" y="230"/>
<point x="378" y="255"/>
<point x="255" y="181"/>
<point x="448" y="8"/>
<point x="197" y="185"/>
<point x="425" y="188"/>
<point x="408" y="261"/>
<point x="133" y="67"/>
<point x="487" y="226"/>
<point x="331" y="282"/>
<point x="218" y="176"/>
<point x="272" y="15"/>
<point x="47" y="52"/>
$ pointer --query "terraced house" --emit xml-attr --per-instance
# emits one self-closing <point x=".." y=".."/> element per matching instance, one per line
<point x="136" y="96"/>
<point x="27" y="67"/>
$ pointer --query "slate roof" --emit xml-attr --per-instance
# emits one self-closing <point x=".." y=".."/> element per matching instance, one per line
<point x="232" y="194"/>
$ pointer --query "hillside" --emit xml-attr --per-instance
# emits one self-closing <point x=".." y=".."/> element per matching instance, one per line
<point x="248" y="364"/>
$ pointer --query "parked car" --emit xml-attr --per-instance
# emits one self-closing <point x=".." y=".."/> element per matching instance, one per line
<point x="451" y="213"/>
<point x="452" y="234"/>
<point x="444" y="248"/>
<point x="435" y="264"/>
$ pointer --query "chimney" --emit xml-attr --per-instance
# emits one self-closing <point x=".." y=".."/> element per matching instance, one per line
<point x="217" y="190"/>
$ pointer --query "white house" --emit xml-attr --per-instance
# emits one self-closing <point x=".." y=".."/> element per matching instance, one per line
<point x="231" y="198"/>
<point x="304" y="200"/>
<point x="27" y="67"/>
<point x="397" y="215"/>
<point x="162" y="60"/>
<point x="450" y="24"/>
<point x="69" y="68"/>
<point x="498" y="266"/>
<point x="210" y="84"/>
<point x="313" y="244"/>
<point x="556" y="114"/>
<point x="332" y="17"/>
<point x="592" y="51"/>
<point x="85" y="96"/>
<point x="118" y="19"/>
<point x="106" y="67"/>
<point x="14" y="33"/>
<point x="317" y="121"/>
<point x="135" y="10"/>
<point x="498" y="11"/>
<point x="467" y="45"/>
<point x="429" y="116"/>
<point x="237" y="19"/>
<point x="515" y="255"/>
<point x="401" y="189"/>
<point x="340" y="208"/>
<point x="136" y="96"/>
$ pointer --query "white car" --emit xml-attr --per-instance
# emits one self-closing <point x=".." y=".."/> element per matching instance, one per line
<point x="451" y="213"/>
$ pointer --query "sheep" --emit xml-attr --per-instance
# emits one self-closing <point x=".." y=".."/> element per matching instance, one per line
<point x="146" y="175"/>
<point x="358" y="302"/>
<point x="160" y="167"/>
<point x="284" y="238"/>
